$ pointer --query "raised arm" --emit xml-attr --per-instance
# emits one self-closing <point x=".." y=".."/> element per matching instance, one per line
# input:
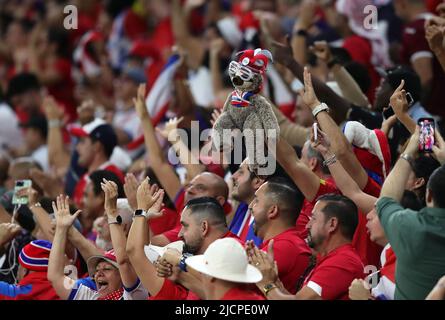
<point x="306" y="180"/>
<point x="300" y="31"/>
<point x="399" y="104"/>
<point x="283" y="55"/>
<point x="394" y="185"/>
<point x="118" y="239"/>
<point x="150" y="201"/>
<point x="340" y="145"/>
<point x="58" y="155"/>
<point x="186" y="157"/>
<point x="164" y="171"/>
<point x="193" y="46"/>
<point x="64" y="220"/>
<point x="85" y="247"/>
<point x="343" y="180"/>
<point x="349" y="87"/>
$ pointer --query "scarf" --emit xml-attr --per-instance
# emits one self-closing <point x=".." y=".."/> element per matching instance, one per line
<point x="240" y="101"/>
<point x="115" y="295"/>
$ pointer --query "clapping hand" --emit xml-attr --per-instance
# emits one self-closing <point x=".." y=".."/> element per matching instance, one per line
<point x="110" y="203"/>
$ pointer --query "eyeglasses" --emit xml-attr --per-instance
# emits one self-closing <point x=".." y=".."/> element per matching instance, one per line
<point x="236" y="69"/>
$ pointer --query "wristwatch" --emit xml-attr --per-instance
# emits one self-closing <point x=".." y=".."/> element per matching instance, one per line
<point x="115" y="220"/>
<point x="269" y="287"/>
<point x="301" y="33"/>
<point x="141" y="213"/>
<point x="320" y="108"/>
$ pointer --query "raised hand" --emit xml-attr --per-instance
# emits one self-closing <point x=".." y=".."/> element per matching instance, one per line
<point x="169" y="131"/>
<point x="155" y="210"/>
<point x="322" y="144"/>
<point x="130" y="188"/>
<point x="306" y="15"/>
<point x="110" y="203"/>
<point x="308" y="93"/>
<point x="31" y="193"/>
<point x="322" y="50"/>
<point x="282" y="53"/>
<point x="64" y="220"/>
<point x="52" y="109"/>
<point x="434" y="35"/>
<point x="149" y="197"/>
<point x="439" y="147"/>
<point x="139" y="103"/>
<point x="398" y="100"/>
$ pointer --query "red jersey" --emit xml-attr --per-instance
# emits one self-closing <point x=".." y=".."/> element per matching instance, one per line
<point x="240" y="293"/>
<point x="42" y="288"/>
<point x="292" y="255"/>
<point x="173" y="291"/>
<point x="360" y="50"/>
<point x="326" y="186"/>
<point x="334" y="273"/>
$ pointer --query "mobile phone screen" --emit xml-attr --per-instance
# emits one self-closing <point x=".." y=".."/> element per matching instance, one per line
<point x="387" y="112"/>
<point x="20" y="184"/>
<point x="426" y="137"/>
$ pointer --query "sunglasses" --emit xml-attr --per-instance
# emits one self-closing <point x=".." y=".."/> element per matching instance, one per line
<point x="245" y="73"/>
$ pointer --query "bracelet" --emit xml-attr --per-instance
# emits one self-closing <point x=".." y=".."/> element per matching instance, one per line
<point x="36" y="205"/>
<point x="269" y="287"/>
<point x="330" y="161"/>
<point x="320" y="108"/>
<point x="407" y="157"/>
<point x="54" y="123"/>
<point x="182" y="265"/>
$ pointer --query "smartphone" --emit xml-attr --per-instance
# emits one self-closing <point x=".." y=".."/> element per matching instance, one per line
<point x="21" y="184"/>
<point x="315" y="129"/>
<point x="426" y="137"/>
<point x="387" y="112"/>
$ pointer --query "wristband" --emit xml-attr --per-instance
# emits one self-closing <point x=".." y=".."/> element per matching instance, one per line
<point x="301" y="33"/>
<point x="36" y="205"/>
<point x="407" y="157"/>
<point x="54" y="123"/>
<point x="141" y="213"/>
<point x="115" y="220"/>
<point x="330" y="161"/>
<point x="182" y="264"/>
<point x="320" y="108"/>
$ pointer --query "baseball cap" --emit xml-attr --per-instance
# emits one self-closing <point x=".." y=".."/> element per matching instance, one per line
<point x="225" y="259"/>
<point x="97" y="130"/>
<point x="93" y="261"/>
<point x="395" y="75"/>
<point x="135" y="74"/>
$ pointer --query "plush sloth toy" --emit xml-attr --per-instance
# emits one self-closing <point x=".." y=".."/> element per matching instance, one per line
<point x="245" y="109"/>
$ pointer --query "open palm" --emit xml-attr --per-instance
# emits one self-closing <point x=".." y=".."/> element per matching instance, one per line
<point x="62" y="212"/>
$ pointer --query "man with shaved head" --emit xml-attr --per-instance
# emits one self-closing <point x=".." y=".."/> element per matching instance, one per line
<point x="206" y="184"/>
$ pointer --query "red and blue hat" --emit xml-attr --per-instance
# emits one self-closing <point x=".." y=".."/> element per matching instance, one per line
<point x="35" y="255"/>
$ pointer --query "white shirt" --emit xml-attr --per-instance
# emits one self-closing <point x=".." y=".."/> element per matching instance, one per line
<point x="83" y="292"/>
<point x="10" y="133"/>
<point x="40" y="155"/>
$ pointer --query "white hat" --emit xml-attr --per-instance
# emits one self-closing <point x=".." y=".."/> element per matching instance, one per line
<point x="225" y="259"/>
